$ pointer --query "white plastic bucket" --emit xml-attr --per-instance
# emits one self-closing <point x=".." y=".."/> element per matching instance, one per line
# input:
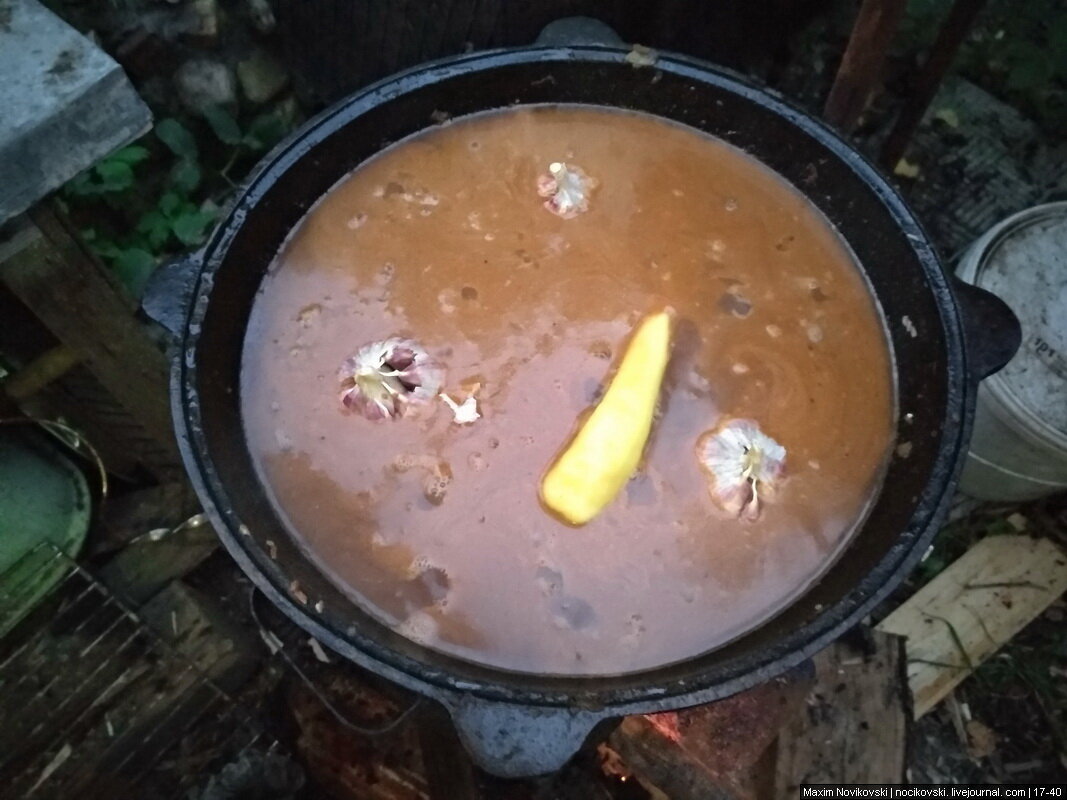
<point x="1019" y="447"/>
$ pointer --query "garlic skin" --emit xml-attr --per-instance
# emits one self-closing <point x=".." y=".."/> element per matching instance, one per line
<point x="567" y="188"/>
<point x="462" y="413"/>
<point x="743" y="465"/>
<point x="383" y="377"/>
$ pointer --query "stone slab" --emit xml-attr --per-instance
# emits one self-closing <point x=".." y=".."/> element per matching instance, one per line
<point x="64" y="104"/>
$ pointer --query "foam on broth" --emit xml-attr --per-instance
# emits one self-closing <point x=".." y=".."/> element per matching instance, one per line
<point x="443" y="239"/>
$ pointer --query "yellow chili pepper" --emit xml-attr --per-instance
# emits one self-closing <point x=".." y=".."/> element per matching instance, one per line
<point x="607" y="448"/>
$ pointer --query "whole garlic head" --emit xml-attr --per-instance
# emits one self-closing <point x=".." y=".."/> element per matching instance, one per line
<point x="384" y="376"/>
<point x="743" y="465"/>
<point x="567" y="188"/>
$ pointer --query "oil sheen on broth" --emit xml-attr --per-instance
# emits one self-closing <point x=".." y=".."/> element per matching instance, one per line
<point x="443" y="239"/>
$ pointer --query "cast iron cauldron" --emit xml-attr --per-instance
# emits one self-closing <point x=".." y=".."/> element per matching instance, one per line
<point x="944" y="340"/>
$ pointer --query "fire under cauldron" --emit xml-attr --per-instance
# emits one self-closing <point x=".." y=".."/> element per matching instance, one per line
<point x="945" y="337"/>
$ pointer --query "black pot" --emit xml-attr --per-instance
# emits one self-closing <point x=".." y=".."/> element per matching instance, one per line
<point x="944" y="340"/>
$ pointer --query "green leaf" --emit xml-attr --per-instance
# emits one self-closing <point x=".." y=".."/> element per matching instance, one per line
<point x="169" y="204"/>
<point x="1031" y="67"/>
<point x="106" y="249"/>
<point x="190" y="227"/>
<point x="155" y="228"/>
<point x="133" y="154"/>
<point x="999" y="526"/>
<point x="185" y="176"/>
<point x="1057" y="44"/>
<point x="223" y="124"/>
<point x="177" y="138"/>
<point x="133" y="266"/>
<point x="115" y="176"/>
<point x="82" y="185"/>
<point x="266" y="130"/>
<point x="1057" y="32"/>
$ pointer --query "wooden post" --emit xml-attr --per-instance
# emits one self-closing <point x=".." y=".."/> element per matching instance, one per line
<point x="959" y="21"/>
<point x="861" y="65"/>
<point x="49" y="272"/>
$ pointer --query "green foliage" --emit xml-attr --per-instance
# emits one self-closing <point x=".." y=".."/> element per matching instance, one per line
<point x="177" y="138"/>
<point x="223" y="125"/>
<point x="267" y="129"/>
<point x="1017" y="50"/>
<point x="162" y="195"/>
<point x="185" y="176"/>
<point x="112" y="174"/>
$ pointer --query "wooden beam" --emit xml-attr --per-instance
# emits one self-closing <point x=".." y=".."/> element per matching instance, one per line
<point x="68" y="292"/>
<point x="861" y="65"/>
<point x="974" y="607"/>
<point x="854" y="726"/>
<point x="954" y="30"/>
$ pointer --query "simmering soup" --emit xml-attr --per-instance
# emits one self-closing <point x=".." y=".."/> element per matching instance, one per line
<point x="493" y="271"/>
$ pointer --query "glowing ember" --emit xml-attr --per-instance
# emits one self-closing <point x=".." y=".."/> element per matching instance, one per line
<point x="667" y="724"/>
<point x="744" y="466"/>
<point x="567" y="188"/>
<point x="380" y="379"/>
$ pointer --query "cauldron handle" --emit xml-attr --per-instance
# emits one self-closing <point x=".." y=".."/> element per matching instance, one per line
<point x="991" y="331"/>
<point x="169" y="291"/>
<point x="514" y="741"/>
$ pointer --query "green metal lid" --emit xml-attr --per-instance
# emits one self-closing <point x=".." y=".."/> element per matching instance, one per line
<point x="45" y="505"/>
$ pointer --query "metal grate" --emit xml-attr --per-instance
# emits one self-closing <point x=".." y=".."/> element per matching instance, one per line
<point x="97" y="705"/>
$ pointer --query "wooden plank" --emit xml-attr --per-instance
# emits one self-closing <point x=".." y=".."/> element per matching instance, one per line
<point x="861" y="65"/>
<point x="957" y="25"/>
<point x="970" y="610"/>
<point x="70" y="295"/>
<point x="854" y="728"/>
<point x="146" y="566"/>
<point x="127" y="450"/>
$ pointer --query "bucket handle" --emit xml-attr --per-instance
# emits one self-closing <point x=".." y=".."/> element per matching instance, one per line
<point x="991" y="331"/>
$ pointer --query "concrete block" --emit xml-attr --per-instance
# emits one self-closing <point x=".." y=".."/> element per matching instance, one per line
<point x="64" y="104"/>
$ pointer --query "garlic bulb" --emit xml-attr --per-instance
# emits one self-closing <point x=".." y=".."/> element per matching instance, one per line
<point x="743" y="465"/>
<point x="567" y="188"/>
<point x="384" y="376"/>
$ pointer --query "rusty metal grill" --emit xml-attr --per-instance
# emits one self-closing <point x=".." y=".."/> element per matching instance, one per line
<point x="97" y="705"/>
